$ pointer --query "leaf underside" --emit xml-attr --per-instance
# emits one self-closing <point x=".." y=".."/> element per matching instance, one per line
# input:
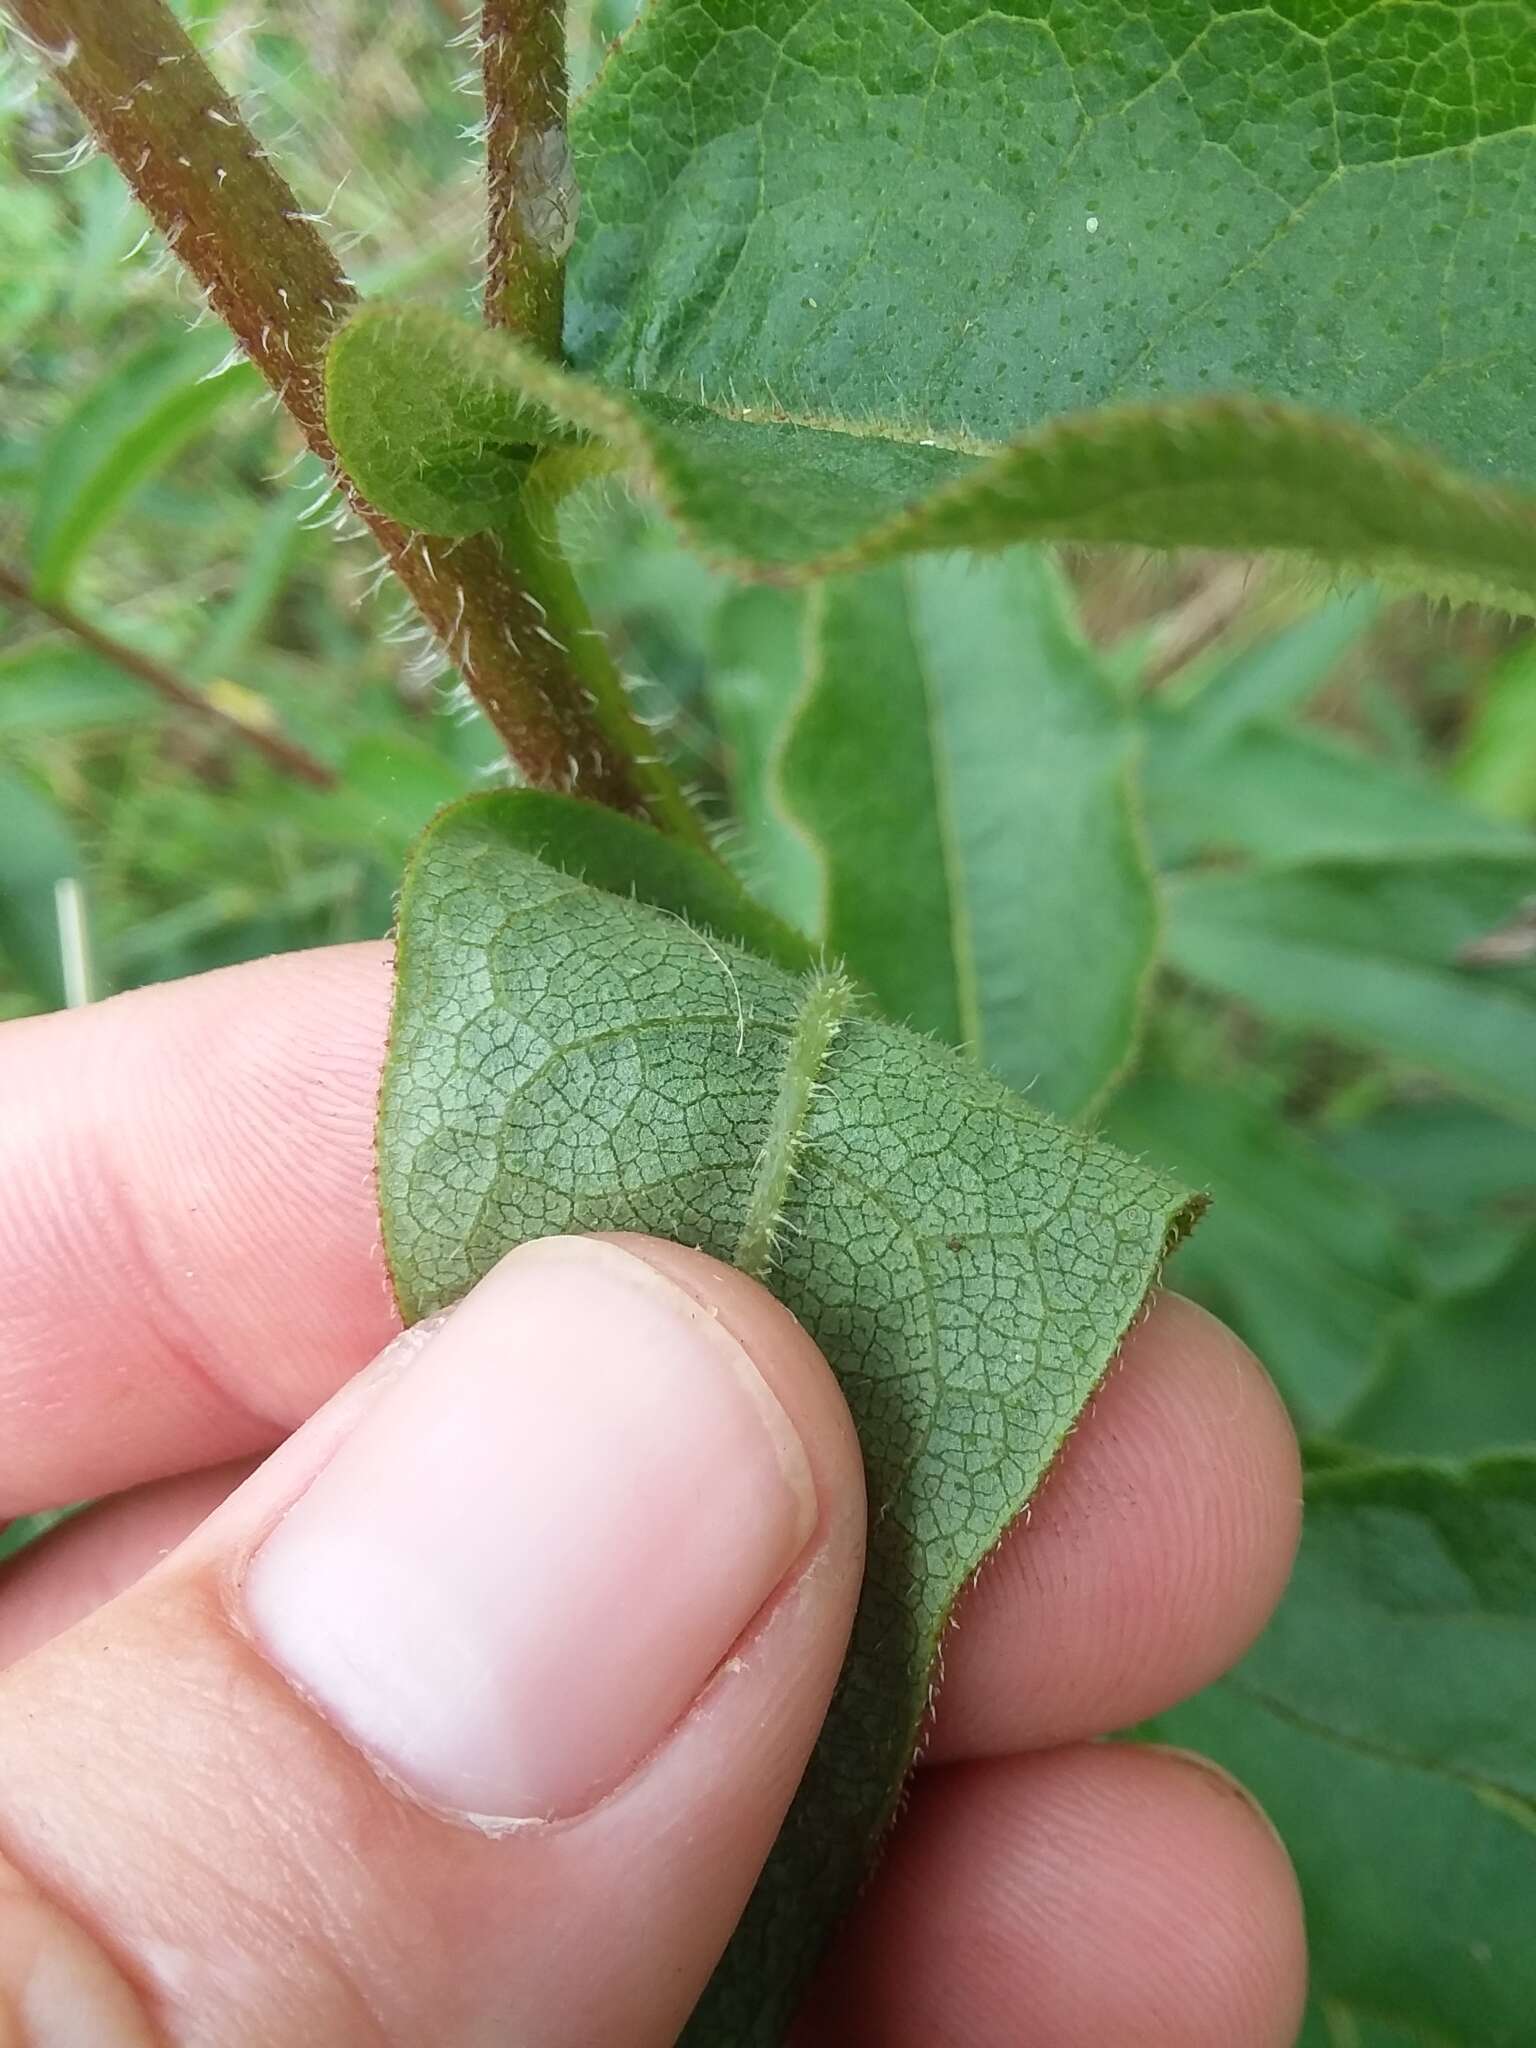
<point x="563" y="1060"/>
<point x="856" y="278"/>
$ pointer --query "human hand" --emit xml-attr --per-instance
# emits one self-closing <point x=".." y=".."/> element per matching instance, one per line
<point x="580" y="1557"/>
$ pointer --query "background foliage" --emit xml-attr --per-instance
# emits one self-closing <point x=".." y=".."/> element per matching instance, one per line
<point x="1242" y="872"/>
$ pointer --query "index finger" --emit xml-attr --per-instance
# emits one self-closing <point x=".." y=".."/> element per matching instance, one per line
<point x="189" y="1236"/>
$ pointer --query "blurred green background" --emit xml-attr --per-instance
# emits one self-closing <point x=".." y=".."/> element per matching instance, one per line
<point x="1340" y="1045"/>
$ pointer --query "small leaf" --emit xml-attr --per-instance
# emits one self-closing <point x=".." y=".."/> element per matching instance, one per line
<point x="1372" y="953"/>
<point x="963" y="765"/>
<point x="1383" y="1720"/>
<point x="562" y="1059"/>
<point x="424" y="435"/>
<point x="127" y="427"/>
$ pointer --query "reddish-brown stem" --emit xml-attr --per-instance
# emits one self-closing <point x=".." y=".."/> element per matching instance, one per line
<point x="530" y="194"/>
<point x="282" y="753"/>
<point x="182" y="144"/>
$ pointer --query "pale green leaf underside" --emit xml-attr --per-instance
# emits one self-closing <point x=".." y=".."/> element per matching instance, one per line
<point x="1384" y="1721"/>
<point x="768" y="493"/>
<point x="563" y="1060"/>
<point x="962" y="765"/>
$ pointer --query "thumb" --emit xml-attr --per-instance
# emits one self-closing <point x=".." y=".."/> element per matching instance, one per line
<point x="472" y="1716"/>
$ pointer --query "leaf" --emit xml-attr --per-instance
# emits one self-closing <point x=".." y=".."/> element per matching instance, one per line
<point x="1279" y="673"/>
<point x="49" y="687"/>
<point x="1495" y="765"/>
<point x="1391" y="956"/>
<point x="20" y="1534"/>
<point x="267" y="559"/>
<point x="963" y="765"/>
<point x="625" y="858"/>
<point x="565" y="1060"/>
<point x="1384" y="1721"/>
<point x="126" y="427"/>
<point x="754" y="685"/>
<point x="437" y="446"/>
<point x="1279" y="793"/>
<point x="1457" y="1376"/>
<point x="1306" y="1261"/>
<point x="769" y="492"/>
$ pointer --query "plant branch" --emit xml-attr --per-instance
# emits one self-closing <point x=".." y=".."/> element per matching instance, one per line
<point x="530" y="195"/>
<point x="283" y="753"/>
<point x="183" y="146"/>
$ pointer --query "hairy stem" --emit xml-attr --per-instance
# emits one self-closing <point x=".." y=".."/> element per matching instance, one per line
<point x="530" y="194"/>
<point x="183" y="146"/>
<point x="285" y="754"/>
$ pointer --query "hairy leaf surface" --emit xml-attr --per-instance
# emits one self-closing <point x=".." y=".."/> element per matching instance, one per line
<point x="855" y="277"/>
<point x="566" y="1060"/>
<point x="768" y="493"/>
<point x="962" y="764"/>
<point x="1384" y="1721"/>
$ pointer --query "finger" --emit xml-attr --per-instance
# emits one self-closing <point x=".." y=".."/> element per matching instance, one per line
<point x="474" y="1713"/>
<point x="189" y="1257"/>
<point x="100" y="1553"/>
<point x="1152" y="1556"/>
<point x="1069" y="1900"/>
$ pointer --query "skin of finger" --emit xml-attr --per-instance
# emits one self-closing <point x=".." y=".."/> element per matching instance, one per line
<point x="1079" y="1897"/>
<point x="260" y="1882"/>
<point x="189" y="1238"/>
<point x="1153" y="1555"/>
<point x="102" y="1552"/>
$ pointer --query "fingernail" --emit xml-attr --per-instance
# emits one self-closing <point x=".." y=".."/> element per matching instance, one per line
<point x="526" y="1561"/>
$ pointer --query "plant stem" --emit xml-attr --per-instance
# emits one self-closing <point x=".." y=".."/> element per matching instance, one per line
<point x="183" y="146"/>
<point x="283" y="753"/>
<point x="530" y="195"/>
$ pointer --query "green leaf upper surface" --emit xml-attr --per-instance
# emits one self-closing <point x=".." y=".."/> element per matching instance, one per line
<point x="564" y="1060"/>
<point x="1406" y="957"/>
<point x="858" y="276"/>
<point x="1384" y="1721"/>
<point x="962" y="764"/>
<point x="958" y="221"/>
